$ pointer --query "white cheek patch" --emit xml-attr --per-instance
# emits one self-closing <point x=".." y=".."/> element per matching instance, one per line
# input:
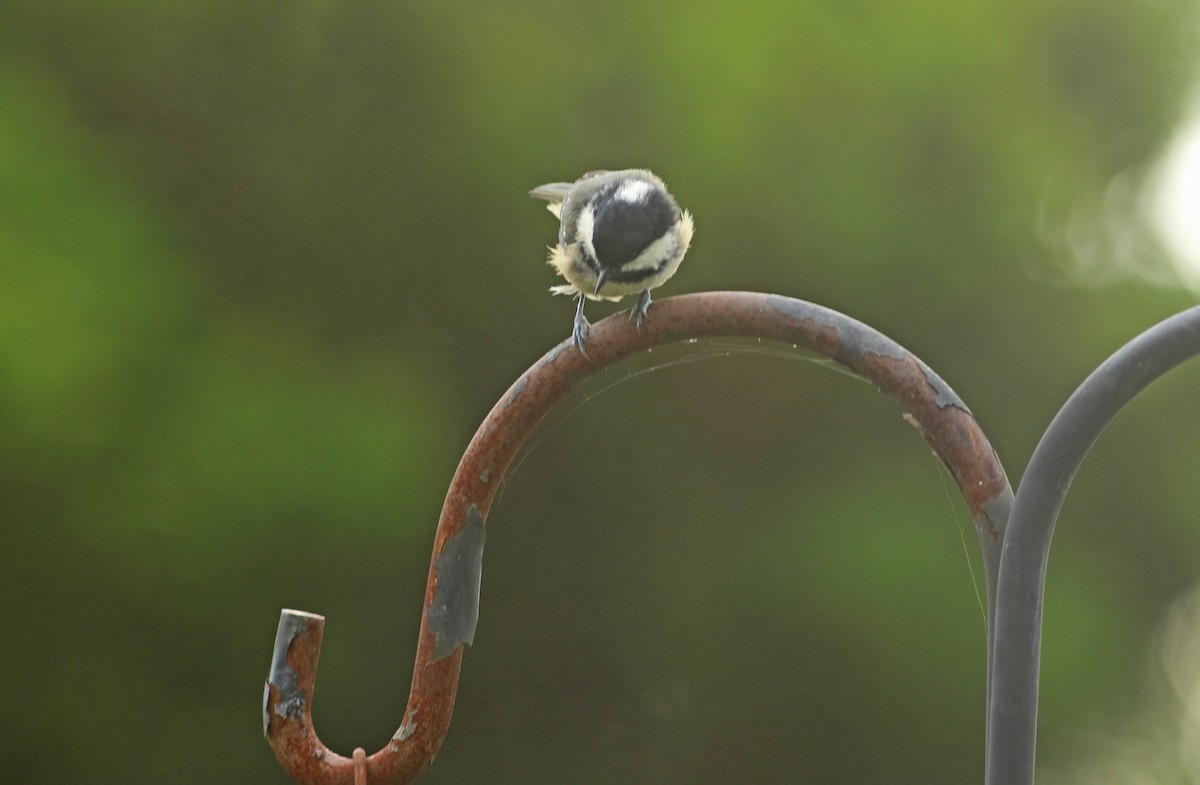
<point x="633" y="191"/>
<point x="656" y="253"/>
<point x="583" y="230"/>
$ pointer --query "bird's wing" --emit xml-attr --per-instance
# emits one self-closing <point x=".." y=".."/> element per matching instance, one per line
<point x="567" y="200"/>
<point x="579" y="194"/>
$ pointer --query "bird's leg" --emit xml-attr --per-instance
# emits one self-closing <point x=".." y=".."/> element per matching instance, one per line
<point x="580" y="330"/>
<point x="638" y="314"/>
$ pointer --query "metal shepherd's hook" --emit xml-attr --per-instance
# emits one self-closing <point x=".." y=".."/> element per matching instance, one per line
<point x="452" y="591"/>
<point x="1016" y="639"/>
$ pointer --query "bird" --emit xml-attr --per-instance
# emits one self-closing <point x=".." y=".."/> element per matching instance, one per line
<point x="619" y="233"/>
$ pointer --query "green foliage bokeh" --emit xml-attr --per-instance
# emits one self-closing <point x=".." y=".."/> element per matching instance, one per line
<point x="265" y="266"/>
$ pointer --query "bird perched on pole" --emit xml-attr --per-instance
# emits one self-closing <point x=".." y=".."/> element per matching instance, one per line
<point x="619" y="233"/>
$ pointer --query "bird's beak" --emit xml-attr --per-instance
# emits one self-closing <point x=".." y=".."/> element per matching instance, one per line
<point x="601" y="277"/>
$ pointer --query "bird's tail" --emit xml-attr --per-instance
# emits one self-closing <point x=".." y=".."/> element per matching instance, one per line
<point x="551" y="192"/>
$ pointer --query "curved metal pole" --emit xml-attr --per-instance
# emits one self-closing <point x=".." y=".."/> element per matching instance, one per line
<point x="1016" y="640"/>
<point x="452" y="591"/>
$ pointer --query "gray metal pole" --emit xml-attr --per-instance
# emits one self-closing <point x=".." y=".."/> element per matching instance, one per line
<point x="1016" y="642"/>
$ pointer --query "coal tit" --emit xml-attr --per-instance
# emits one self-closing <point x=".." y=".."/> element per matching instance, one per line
<point x="619" y="233"/>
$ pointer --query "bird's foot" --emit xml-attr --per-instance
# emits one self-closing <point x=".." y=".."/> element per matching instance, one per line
<point x="579" y="332"/>
<point x="640" y="308"/>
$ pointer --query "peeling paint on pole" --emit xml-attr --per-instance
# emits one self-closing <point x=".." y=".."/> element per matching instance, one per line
<point x="455" y="608"/>
<point x="282" y="676"/>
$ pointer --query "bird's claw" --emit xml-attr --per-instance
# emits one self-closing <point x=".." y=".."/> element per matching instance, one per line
<point x="579" y="333"/>
<point x="640" y="308"/>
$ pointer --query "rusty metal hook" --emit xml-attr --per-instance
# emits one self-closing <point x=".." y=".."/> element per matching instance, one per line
<point x="452" y="589"/>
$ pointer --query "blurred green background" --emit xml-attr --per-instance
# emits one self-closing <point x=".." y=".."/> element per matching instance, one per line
<point x="265" y="266"/>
